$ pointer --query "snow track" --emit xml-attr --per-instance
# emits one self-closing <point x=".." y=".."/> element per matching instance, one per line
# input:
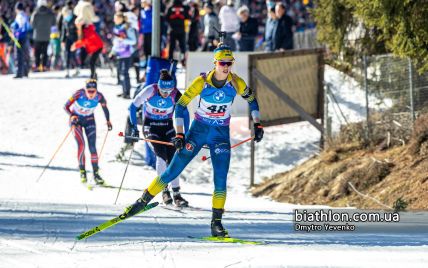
<point x="39" y="221"/>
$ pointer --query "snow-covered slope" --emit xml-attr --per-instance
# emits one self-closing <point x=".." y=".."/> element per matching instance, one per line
<point x="39" y="220"/>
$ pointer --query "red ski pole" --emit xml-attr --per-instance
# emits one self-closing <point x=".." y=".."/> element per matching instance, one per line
<point x="204" y="158"/>
<point x="102" y="146"/>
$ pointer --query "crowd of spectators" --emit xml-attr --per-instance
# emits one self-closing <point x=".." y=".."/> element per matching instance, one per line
<point x="45" y="30"/>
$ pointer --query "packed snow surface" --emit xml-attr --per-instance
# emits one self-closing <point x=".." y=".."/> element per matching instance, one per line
<point x="40" y="220"/>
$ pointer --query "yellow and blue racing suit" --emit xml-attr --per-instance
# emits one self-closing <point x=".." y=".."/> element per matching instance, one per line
<point x="211" y="127"/>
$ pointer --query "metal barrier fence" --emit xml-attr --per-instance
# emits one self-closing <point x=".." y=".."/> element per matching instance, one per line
<point x="394" y="94"/>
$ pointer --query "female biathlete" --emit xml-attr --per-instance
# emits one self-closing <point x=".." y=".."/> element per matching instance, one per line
<point x="217" y="90"/>
<point x="158" y="102"/>
<point x="81" y="108"/>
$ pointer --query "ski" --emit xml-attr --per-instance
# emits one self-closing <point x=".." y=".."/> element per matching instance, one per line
<point x="104" y="185"/>
<point x="110" y="223"/>
<point x="227" y="240"/>
<point x="89" y="187"/>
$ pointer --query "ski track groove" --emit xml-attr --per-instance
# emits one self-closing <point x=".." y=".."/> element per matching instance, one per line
<point x="15" y="263"/>
<point x="163" y="254"/>
<point x="117" y="244"/>
<point x="47" y="200"/>
<point x="232" y="264"/>
<point x="85" y="213"/>
<point x="22" y="247"/>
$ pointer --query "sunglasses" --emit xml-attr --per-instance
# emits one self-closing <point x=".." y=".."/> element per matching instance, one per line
<point x="224" y="63"/>
<point x="166" y="90"/>
<point x="91" y="91"/>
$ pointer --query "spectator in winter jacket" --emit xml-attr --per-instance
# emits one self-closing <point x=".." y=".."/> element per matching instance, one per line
<point x="4" y="47"/>
<point x="195" y="21"/>
<point x="86" y="32"/>
<point x="42" y="20"/>
<point x="146" y="27"/>
<point x="283" y="39"/>
<point x="20" y="28"/>
<point x="123" y="47"/>
<point x="68" y="35"/>
<point x="229" y="21"/>
<point x="132" y="19"/>
<point x="248" y="30"/>
<point x="210" y="22"/>
<point x="270" y="28"/>
<point x="176" y="15"/>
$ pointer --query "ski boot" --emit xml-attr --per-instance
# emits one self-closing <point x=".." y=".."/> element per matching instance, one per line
<point x="97" y="178"/>
<point x="217" y="229"/>
<point x="179" y="201"/>
<point x="138" y="205"/>
<point x="83" y="177"/>
<point x="166" y="196"/>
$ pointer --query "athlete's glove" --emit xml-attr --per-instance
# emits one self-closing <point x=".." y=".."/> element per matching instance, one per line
<point x="258" y="132"/>
<point x="74" y="120"/>
<point x="178" y="141"/>
<point x="146" y="131"/>
<point x="109" y="126"/>
<point x="134" y="133"/>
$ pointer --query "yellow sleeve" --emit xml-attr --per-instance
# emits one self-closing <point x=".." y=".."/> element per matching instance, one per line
<point x="192" y="91"/>
<point x="242" y="88"/>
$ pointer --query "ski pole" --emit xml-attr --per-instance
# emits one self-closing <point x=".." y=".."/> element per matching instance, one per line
<point x="18" y="45"/>
<point x="147" y="140"/>
<point x="102" y="146"/>
<point x="124" y="174"/>
<point x="59" y="147"/>
<point x="233" y="146"/>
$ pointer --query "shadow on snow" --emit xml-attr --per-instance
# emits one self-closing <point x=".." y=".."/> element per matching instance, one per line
<point x="68" y="221"/>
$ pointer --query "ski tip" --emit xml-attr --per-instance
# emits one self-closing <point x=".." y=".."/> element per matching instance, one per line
<point x="204" y="158"/>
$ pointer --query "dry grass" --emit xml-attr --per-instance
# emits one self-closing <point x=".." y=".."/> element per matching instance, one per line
<point x="385" y="173"/>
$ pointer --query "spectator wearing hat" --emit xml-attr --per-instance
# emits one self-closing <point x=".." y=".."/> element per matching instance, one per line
<point x="68" y="35"/>
<point x="248" y="30"/>
<point x="146" y="27"/>
<point x="42" y="20"/>
<point x="132" y="22"/>
<point x="229" y="21"/>
<point x="20" y="28"/>
<point x="210" y="24"/>
<point x="123" y="47"/>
